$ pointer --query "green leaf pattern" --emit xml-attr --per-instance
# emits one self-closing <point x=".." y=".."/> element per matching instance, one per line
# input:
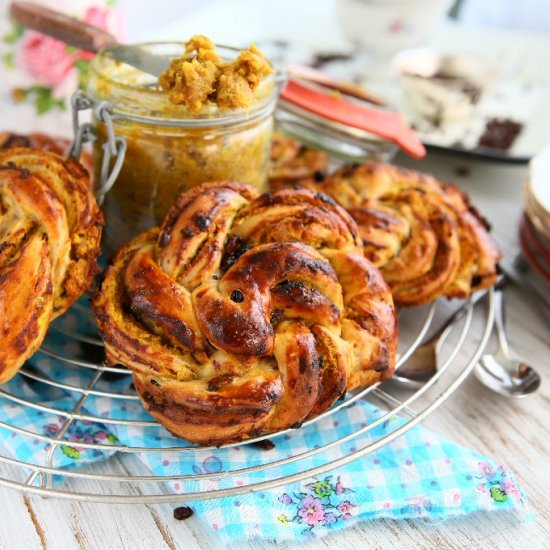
<point x="41" y="96"/>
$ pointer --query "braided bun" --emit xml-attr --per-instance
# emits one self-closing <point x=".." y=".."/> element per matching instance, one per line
<point x="291" y="162"/>
<point x="425" y="237"/>
<point x="50" y="228"/>
<point x="246" y="314"/>
<point x="54" y="144"/>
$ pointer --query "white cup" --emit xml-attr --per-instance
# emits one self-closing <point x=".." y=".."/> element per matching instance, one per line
<point x="384" y="27"/>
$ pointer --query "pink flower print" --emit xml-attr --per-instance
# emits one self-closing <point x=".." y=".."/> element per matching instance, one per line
<point x="346" y="508"/>
<point x="487" y="470"/>
<point x="481" y="487"/>
<point x="311" y="511"/>
<point x="46" y="59"/>
<point x="108" y="19"/>
<point x="340" y="488"/>
<point x="97" y="16"/>
<point x="396" y="26"/>
<point x="511" y="489"/>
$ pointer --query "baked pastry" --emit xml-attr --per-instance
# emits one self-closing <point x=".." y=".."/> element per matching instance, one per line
<point x="425" y="237"/>
<point x="291" y="162"/>
<point x="50" y="229"/>
<point x="58" y="145"/>
<point x="245" y="314"/>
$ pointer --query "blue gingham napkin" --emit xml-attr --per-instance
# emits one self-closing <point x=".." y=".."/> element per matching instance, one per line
<point x="419" y="475"/>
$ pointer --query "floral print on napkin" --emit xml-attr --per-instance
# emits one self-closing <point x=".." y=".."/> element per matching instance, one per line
<point x="46" y="71"/>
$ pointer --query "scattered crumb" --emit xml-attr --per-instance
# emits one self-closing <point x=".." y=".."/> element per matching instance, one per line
<point x="264" y="445"/>
<point x="463" y="171"/>
<point x="322" y="59"/>
<point x="183" y="512"/>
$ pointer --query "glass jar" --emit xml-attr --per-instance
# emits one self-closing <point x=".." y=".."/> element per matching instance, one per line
<point x="342" y="142"/>
<point x="169" y="149"/>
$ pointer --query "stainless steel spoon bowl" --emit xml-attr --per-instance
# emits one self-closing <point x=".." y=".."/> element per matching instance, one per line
<point x="504" y="372"/>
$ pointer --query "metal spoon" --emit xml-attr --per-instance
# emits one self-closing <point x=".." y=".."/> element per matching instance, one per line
<point x="504" y="372"/>
<point x="422" y="363"/>
<point x="86" y="37"/>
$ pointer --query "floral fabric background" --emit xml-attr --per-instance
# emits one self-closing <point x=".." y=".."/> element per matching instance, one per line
<point x="39" y="73"/>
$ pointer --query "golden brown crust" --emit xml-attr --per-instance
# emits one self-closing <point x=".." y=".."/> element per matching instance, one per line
<point x="246" y="314"/>
<point x="425" y="237"/>
<point x="50" y="228"/>
<point x="55" y="144"/>
<point x="292" y="162"/>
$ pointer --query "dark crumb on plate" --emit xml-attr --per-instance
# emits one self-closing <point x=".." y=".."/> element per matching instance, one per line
<point x="322" y="59"/>
<point x="500" y="133"/>
<point x="463" y="171"/>
<point x="183" y="512"/>
<point x="264" y="445"/>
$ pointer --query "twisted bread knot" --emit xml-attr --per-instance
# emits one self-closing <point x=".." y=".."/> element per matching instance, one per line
<point x="292" y="161"/>
<point x="246" y="314"/>
<point x="50" y="228"/>
<point x="425" y="237"/>
<point x="54" y="144"/>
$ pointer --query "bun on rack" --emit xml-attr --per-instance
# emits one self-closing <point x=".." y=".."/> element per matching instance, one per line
<point x="54" y="144"/>
<point x="291" y="162"/>
<point x="50" y="230"/>
<point x="425" y="237"/>
<point x="243" y="314"/>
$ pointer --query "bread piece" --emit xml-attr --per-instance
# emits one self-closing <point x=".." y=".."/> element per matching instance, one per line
<point x="54" y="144"/>
<point x="50" y="230"/>
<point x="246" y="314"/>
<point x="425" y="237"/>
<point x="291" y="162"/>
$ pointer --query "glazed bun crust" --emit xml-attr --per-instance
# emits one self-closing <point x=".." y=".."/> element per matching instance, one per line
<point x="243" y="314"/>
<point x="425" y="237"/>
<point x="292" y="162"/>
<point x="54" y="144"/>
<point x="50" y="231"/>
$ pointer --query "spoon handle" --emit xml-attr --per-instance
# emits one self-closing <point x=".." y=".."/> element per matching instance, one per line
<point x="499" y="321"/>
<point x="462" y="310"/>
<point x="63" y="27"/>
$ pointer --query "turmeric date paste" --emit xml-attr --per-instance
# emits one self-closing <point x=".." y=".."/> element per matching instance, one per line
<point x="208" y="118"/>
<point x="202" y="76"/>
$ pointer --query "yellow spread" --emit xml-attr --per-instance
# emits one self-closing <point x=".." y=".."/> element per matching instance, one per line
<point x="201" y="76"/>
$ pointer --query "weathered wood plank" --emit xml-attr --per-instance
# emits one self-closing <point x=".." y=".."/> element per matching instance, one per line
<point x="19" y="525"/>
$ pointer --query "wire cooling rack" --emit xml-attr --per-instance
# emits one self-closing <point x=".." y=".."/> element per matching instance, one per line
<point x="462" y="348"/>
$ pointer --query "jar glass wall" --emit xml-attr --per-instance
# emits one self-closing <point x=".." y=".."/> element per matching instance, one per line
<point x="170" y="149"/>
